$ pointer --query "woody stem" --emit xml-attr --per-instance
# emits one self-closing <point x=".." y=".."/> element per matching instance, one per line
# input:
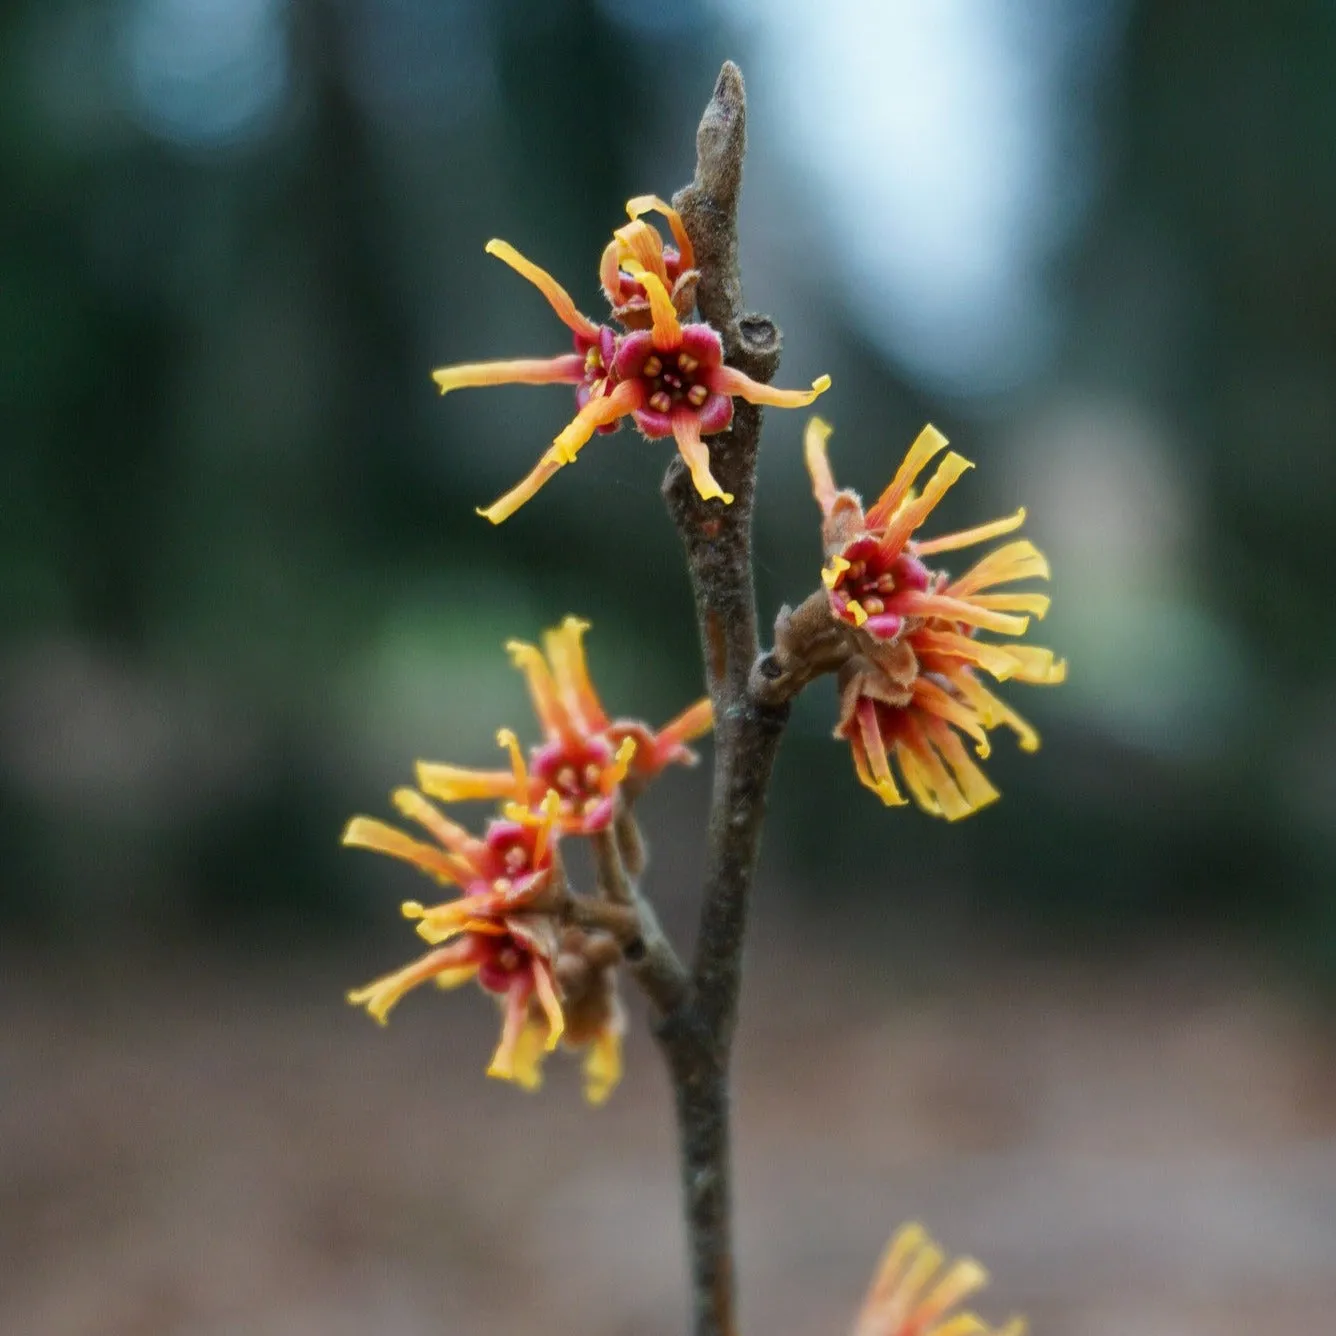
<point x="696" y="1036"/>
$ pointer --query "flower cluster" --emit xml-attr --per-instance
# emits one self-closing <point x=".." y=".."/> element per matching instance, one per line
<point x="915" y="1294"/>
<point x="509" y="929"/>
<point x="911" y="688"/>
<point x="666" y="375"/>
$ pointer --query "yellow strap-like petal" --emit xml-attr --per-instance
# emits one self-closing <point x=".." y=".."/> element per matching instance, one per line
<point x="557" y="296"/>
<point x="364" y="832"/>
<point x="818" y="463"/>
<point x="653" y="204"/>
<point x="902" y="524"/>
<point x="602" y="1066"/>
<point x="455" y="783"/>
<point x="696" y="454"/>
<point x="928" y="443"/>
<point x="666" y="331"/>
<point x="1019" y="560"/>
<point x="568" y="369"/>
<point x="983" y="533"/>
<point x="729" y="380"/>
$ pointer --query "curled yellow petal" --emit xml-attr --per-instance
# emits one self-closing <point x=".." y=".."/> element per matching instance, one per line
<point x="653" y="204"/>
<point x="729" y="380"/>
<point x="380" y="997"/>
<point x="696" y="454"/>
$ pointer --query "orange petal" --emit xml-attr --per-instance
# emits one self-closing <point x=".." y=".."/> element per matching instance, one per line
<point x="964" y="610"/>
<point x="653" y="204"/>
<point x="686" y="431"/>
<point x="982" y="533"/>
<point x="1036" y="605"/>
<point x="568" y="369"/>
<point x="909" y="516"/>
<point x="996" y="713"/>
<point x="603" y="1065"/>
<point x="565" y="652"/>
<point x="455" y="783"/>
<point x="515" y="1014"/>
<point x="694" y="722"/>
<point x="961" y="1280"/>
<point x="547" y="702"/>
<point x="550" y="1002"/>
<point x="557" y="296"/>
<point x="928" y="696"/>
<point x="380" y="997"/>
<point x="969" y="779"/>
<point x="364" y="832"/>
<point x="666" y="330"/>
<point x="818" y="464"/>
<point x="640" y="250"/>
<point x="729" y="380"/>
<point x="607" y="273"/>
<point x="999" y="660"/>
<point x="929" y="442"/>
<point x="1019" y="560"/>
<point x="451" y="836"/>
<point x="598" y="412"/>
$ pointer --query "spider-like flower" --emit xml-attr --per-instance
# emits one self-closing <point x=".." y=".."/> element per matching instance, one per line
<point x="499" y="932"/>
<point x="585" y="756"/>
<point x="914" y="1294"/>
<point x="912" y="689"/>
<point x="669" y="378"/>
<point x="636" y="249"/>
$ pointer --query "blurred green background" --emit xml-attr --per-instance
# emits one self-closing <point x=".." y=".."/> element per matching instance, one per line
<point x="243" y="582"/>
<point x="243" y="587"/>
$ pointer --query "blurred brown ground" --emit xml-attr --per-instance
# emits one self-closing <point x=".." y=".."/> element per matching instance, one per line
<point x="197" y="1146"/>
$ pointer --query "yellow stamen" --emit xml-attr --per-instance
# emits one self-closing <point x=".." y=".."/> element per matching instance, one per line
<point x="831" y="572"/>
<point x="568" y="369"/>
<point x="557" y="296"/>
<point x="855" y="610"/>
<point x="729" y="380"/>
